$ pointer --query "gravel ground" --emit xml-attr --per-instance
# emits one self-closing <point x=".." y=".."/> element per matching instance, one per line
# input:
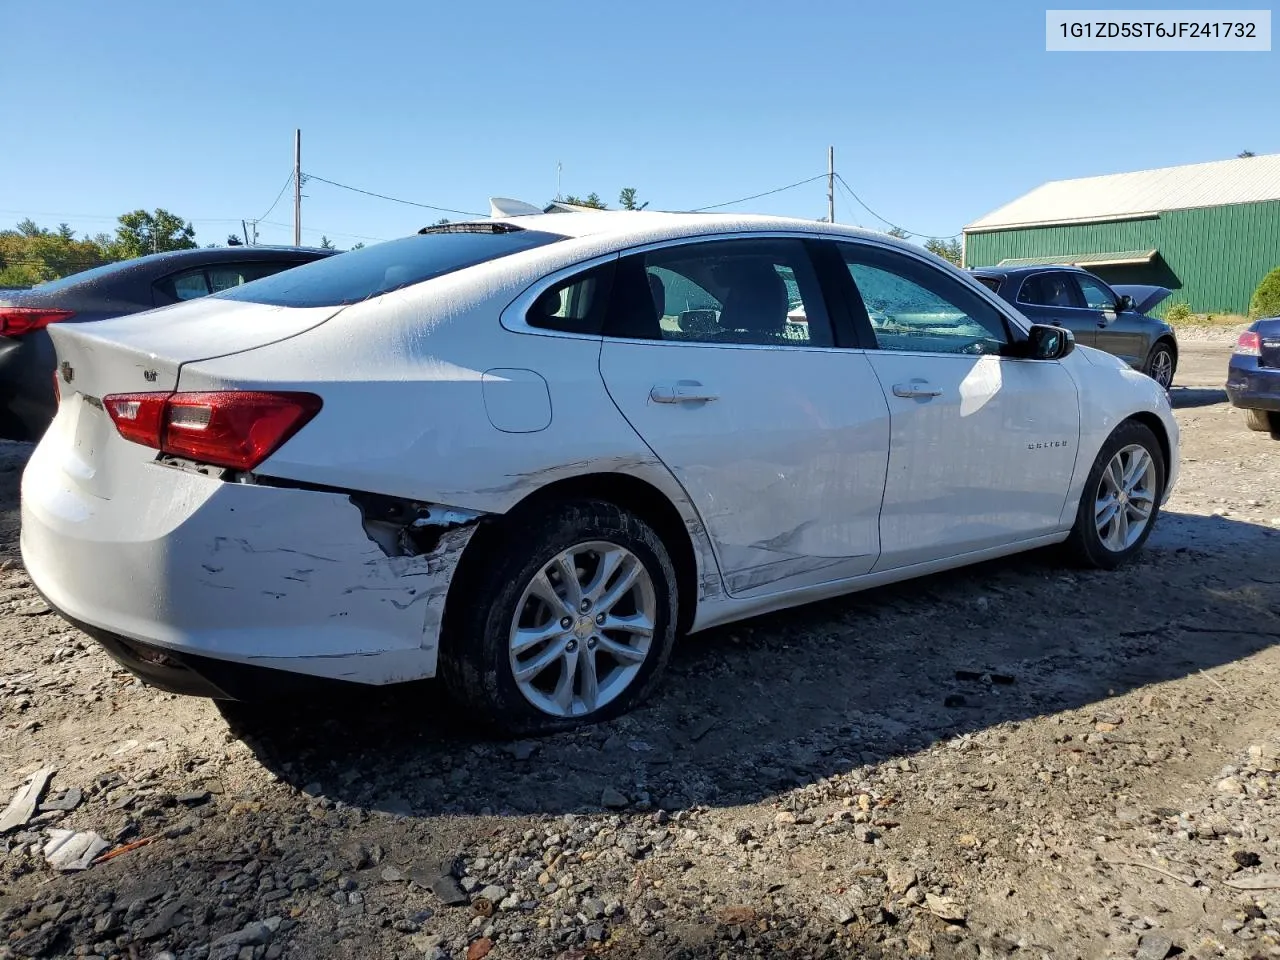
<point x="1015" y="760"/>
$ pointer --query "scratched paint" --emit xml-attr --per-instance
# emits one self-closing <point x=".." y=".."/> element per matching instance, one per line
<point x="299" y="585"/>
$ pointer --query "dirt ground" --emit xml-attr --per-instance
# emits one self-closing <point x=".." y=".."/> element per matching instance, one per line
<point x="1015" y="760"/>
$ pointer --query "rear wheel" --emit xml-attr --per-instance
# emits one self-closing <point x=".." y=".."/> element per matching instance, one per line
<point x="1264" y="421"/>
<point x="570" y="619"/>
<point x="1121" y="498"/>
<point x="1161" y="363"/>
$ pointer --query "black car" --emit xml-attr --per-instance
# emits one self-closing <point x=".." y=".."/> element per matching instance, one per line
<point x="1110" y="318"/>
<point x="27" y="399"/>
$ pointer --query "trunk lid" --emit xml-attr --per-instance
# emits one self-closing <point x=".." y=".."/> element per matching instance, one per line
<point x="1145" y="298"/>
<point x="142" y="353"/>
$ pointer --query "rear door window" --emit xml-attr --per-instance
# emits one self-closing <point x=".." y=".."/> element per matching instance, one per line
<point x="740" y="291"/>
<point x="188" y="285"/>
<point x="372" y="271"/>
<point x="1050" y="290"/>
<point x="202" y="281"/>
<point x="228" y="275"/>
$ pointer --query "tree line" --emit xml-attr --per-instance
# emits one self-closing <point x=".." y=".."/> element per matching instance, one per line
<point x="32" y="254"/>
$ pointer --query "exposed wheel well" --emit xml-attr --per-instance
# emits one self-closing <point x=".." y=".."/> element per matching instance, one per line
<point x="630" y="493"/>
<point x="1154" y="424"/>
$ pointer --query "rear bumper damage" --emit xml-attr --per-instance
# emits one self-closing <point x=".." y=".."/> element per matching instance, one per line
<point x="220" y="574"/>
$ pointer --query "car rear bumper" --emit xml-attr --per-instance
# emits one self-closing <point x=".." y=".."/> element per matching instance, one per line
<point x="259" y="576"/>
<point x="1253" y="387"/>
<point x="193" y="675"/>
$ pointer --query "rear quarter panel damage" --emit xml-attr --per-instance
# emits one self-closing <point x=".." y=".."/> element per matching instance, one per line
<point x="326" y="598"/>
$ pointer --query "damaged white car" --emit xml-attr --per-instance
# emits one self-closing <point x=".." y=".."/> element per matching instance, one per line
<point x="525" y="453"/>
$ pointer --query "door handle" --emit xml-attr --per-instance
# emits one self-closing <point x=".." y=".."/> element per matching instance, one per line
<point x="916" y="389"/>
<point x="682" y="391"/>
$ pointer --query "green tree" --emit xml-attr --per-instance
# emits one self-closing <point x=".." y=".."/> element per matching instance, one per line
<point x="141" y="233"/>
<point x="326" y="243"/>
<point x="592" y="200"/>
<point x="1266" y="299"/>
<point x="31" y="254"/>
<point x="627" y="199"/>
<point x="1245" y="153"/>
<point x="946" y="249"/>
<point x="234" y="241"/>
<point x="358" y="246"/>
<point x="899" y="233"/>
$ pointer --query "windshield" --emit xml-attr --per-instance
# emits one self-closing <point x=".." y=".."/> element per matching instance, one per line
<point x="360" y="274"/>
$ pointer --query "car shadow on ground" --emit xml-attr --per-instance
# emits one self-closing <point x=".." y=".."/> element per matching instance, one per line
<point x="755" y="708"/>
<point x="1182" y="398"/>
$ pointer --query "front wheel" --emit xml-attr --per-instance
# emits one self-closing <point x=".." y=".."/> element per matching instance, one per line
<point x="1161" y="364"/>
<point x="569" y="619"/>
<point x="1121" y="498"/>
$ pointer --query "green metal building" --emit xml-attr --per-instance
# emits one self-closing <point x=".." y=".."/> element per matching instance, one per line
<point x="1208" y="231"/>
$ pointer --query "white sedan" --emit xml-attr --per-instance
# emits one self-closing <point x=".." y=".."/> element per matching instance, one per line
<point x="525" y="453"/>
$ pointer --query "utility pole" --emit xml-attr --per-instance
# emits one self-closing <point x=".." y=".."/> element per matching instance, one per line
<point x="559" y="168"/>
<point x="245" y="228"/>
<point x="297" y="188"/>
<point x="831" y="184"/>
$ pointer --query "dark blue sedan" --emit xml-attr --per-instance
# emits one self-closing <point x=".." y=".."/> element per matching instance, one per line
<point x="27" y="399"/>
<point x="1253" y="378"/>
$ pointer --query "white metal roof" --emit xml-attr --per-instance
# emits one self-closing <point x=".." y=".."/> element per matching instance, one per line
<point x="1145" y="192"/>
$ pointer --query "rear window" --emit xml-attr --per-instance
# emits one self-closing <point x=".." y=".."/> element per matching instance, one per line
<point x="93" y="273"/>
<point x="371" y="271"/>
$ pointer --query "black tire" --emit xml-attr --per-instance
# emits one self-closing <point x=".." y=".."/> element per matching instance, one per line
<point x="1085" y="545"/>
<point x="1162" y="351"/>
<point x="1264" y="421"/>
<point x="474" y="662"/>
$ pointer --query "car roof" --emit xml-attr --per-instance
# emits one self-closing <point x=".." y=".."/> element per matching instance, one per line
<point x="633" y="227"/>
<point x="1022" y="271"/>
<point x="237" y="254"/>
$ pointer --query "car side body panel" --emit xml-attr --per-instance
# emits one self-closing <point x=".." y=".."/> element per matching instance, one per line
<point x="318" y="586"/>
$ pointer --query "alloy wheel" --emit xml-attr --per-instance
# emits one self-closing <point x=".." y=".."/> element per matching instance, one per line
<point x="582" y="629"/>
<point x="1126" y="498"/>
<point x="1162" y="368"/>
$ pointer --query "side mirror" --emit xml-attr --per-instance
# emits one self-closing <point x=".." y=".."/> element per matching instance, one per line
<point x="1046" y="342"/>
<point x="1125" y="303"/>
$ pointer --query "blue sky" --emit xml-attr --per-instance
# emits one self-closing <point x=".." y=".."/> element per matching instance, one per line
<point x="939" y="112"/>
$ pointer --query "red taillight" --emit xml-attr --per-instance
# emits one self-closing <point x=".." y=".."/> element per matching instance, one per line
<point x="1249" y="344"/>
<point x="15" y="321"/>
<point x="138" y="416"/>
<point x="236" y="429"/>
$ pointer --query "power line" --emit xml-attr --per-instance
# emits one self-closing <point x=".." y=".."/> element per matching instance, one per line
<point x="331" y="233"/>
<point x="383" y="196"/>
<point x="757" y="196"/>
<point x="914" y="233"/>
<point x="278" y="196"/>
